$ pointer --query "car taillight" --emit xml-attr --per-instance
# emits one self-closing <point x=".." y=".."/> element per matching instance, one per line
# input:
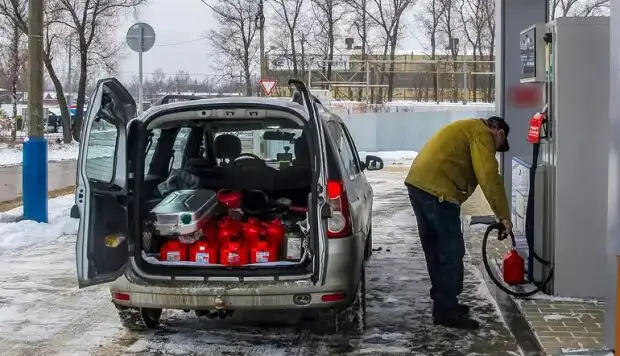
<point x="339" y="225"/>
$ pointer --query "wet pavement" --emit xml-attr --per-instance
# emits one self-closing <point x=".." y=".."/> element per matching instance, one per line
<point x="42" y="311"/>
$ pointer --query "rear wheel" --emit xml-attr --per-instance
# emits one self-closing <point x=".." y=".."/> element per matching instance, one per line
<point x="352" y="320"/>
<point x="139" y="318"/>
<point x="368" y="247"/>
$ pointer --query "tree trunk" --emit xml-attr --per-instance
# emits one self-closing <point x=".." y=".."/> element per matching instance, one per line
<point x="62" y="102"/>
<point x="390" y="94"/>
<point x="14" y="78"/>
<point x="79" y="105"/>
<point x="330" y="53"/>
<point x="294" y="54"/>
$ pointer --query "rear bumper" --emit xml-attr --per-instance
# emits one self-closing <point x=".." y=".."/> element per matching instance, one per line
<point x="254" y="295"/>
<point x="338" y="290"/>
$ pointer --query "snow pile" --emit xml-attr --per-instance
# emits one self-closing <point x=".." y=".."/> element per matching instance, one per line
<point x="22" y="234"/>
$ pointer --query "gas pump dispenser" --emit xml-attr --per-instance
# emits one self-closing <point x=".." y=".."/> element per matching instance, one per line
<point x="559" y="179"/>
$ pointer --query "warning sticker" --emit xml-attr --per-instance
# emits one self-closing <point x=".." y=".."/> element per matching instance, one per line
<point x="262" y="256"/>
<point x="173" y="256"/>
<point x="202" y="258"/>
<point x="234" y="258"/>
<point x="293" y="248"/>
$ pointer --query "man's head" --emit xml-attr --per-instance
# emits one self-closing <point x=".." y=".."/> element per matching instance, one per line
<point x="499" y="129"/>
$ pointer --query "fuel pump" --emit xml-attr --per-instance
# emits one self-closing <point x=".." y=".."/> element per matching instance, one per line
<point x="513" y="266"/>
<point x="559" y="169"/>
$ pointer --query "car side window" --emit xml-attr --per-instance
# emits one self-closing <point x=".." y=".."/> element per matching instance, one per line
<point x="179" y="147"/>
<point x="180" y="143"/>
<point x="101" y="152"/>
<point x="344" y="148"/>
<point x="356" y="154"/>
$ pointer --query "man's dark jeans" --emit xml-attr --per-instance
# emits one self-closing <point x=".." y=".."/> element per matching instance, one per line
<point x="439" y="227"/>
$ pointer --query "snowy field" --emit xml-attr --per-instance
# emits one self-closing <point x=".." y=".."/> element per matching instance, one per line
<point x="11" y="155"/>
<point x="43" y="313"/>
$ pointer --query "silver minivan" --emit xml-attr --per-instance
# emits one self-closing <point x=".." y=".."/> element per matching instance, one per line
<point x="133" y="166"/>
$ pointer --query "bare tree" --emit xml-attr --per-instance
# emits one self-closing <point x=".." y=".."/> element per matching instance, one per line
<point x="362" y="26"/>
<point x="387" y="15"/>
<point x="15" y="11"/>
<point x="233" y="40"/>
<point x="288" y="12"/>
<point x="563" y="8"/>
<point x="489" y="46"/>
<point x="451" y="26"/>
<point x="472" y="14"/>
<point x="92" y="22"/>
<point x="430" y="20"/>
<point x="328" y="14"/>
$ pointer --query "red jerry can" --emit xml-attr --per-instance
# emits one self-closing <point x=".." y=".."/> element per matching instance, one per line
<point x="204" y="252"/>
<point x="229" y="229"/>
<point x="173" y="251"/>
<point x="275" y="232"/>
<point x="252" y="231"/>
<point x="234" y="253"/>
<point x="514" y="268"/>
<point x="263" y="251"/>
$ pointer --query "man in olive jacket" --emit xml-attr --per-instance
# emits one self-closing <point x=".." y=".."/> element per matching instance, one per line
<point x="445" y="173"/>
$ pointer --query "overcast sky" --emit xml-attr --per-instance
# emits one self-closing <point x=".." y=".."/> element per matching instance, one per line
<point x="180" y="26"/>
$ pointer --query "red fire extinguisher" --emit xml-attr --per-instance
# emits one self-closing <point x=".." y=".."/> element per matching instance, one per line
<point x="513" y="268"/>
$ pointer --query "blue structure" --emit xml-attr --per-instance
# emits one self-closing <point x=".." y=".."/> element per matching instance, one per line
<point x="34" y="179"/>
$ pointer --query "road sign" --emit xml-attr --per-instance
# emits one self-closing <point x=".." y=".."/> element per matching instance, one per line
<point x="140" y="37"/>
<point x="268" y="85"/>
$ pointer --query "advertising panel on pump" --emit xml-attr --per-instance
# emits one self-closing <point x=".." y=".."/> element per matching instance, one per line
<point x="528" y="53"/>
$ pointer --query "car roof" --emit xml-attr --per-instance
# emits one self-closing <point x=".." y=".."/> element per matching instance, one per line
<point x="252" y="100"/>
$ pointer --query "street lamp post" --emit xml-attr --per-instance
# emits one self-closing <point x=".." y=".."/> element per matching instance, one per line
<point x="34" y="170"/>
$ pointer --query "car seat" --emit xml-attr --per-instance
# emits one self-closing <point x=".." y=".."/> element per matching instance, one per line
<point x="227" y="147"/>
<point x="302" y="152"/>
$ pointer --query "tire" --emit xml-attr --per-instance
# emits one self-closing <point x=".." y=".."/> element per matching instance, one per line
<point x="368" y="247"/>
<point x="137" y="319"/>
<point x="352" y="320"/>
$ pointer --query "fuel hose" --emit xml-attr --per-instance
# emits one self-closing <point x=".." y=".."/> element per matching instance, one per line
<point x="491" y="273"/>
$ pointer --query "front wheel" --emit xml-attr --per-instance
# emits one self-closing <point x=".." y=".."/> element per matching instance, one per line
<point x="352" y="320"/>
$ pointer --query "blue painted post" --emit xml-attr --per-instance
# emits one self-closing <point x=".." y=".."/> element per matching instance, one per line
<point x="34" y="169"/>
<point x="34" y="179"/>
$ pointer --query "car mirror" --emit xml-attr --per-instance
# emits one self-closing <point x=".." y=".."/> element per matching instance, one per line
<point x="363" y="166"/>
<point x="373" y="163"/>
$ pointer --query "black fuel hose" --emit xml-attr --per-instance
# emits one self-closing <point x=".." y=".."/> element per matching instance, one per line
<point x="490" y="271"/>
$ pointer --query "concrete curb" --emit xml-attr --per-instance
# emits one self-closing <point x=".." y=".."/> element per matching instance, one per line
<point x="517" y="324"/>
<point x="515" y="320"/>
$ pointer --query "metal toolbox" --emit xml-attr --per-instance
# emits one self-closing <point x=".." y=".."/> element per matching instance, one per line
<point x="184" y="212"/>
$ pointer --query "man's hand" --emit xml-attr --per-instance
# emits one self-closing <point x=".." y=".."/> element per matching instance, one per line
<point x="507" y="228"/>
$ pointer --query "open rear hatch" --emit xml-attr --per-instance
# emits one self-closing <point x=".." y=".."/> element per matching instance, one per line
<point x="232" y="210"/>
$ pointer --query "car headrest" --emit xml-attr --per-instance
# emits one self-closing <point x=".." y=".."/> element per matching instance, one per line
<point x="227" y="146"/>
<point x="302" y="151"/>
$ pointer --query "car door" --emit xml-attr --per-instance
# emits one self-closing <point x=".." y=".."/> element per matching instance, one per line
<point x="318" y="218"/>
<point x="102" y="246"/>
<point x="352" y="174"/>
<point x="365" y="189"/>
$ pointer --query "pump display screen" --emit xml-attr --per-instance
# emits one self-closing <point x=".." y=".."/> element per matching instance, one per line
<point x="528" y="54"/>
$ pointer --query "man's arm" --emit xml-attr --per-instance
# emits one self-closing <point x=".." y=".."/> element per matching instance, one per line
<point x="487" y="173"/>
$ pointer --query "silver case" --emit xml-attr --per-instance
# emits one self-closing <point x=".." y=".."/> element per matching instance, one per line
<point x="201" y="204"/>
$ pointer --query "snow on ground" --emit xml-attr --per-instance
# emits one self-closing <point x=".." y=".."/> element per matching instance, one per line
<point x="392" y="157"/>
<point x="43" y="312"/>
<point x="22" y="234"/>
<point x="11" y="155"/>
